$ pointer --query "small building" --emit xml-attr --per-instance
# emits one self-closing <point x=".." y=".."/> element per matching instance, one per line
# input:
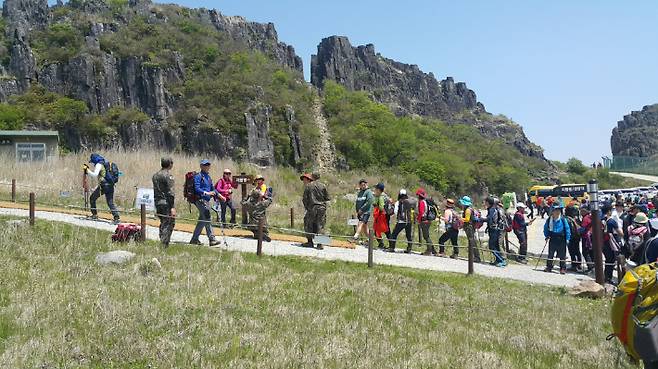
<point x="27" y="146"/>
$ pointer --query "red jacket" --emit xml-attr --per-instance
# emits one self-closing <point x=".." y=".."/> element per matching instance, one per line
<point x="224" y="187"/>
<point x="422" y="209"/>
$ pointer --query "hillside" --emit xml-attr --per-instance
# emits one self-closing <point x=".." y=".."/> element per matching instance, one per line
<point x="130" y="74"/>
<point x="637" y="133"/>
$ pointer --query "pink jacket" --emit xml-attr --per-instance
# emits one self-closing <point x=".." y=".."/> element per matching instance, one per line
<point x="224" y="187"/>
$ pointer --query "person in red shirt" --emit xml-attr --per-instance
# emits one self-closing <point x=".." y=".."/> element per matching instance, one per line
<point x="423" y="222"/>
<point x="585" y="231"/>
<point x="225" y="188"/>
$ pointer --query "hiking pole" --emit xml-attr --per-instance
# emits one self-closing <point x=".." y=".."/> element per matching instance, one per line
<point x="540" y="255"/>
<point x="221" y="224"/>
<point x="85" y="187"/>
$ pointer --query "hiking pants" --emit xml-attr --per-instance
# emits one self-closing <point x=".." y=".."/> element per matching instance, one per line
<point x="522" y="236"/>
<point x="470" y="234"/>
<point x="452" y="235"/>
<point x="167" y="223"/>
<point x="425" y="233"/>
<point x="108" y="191"/>
<point x="399" y="227"/>
<point x="557" y="245"/>
<point x="204" y="221"/>
<point x="588" y="254"/>
<point x="314" y="221"/>
<point x="574" y="253"/>
<point x="610" y="258"/>
<point x="494" y="245"/>
<point x="227" y="204"/>
<point x="532" y="212"/>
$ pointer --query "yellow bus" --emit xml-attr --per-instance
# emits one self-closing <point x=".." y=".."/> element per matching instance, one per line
<point x="540" y="191"/>
<point x="571" y="190"/>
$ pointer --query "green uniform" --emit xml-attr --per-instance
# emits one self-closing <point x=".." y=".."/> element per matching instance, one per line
<point x="257" y="210"/>
<point x="163" y="193"/>
<point x="315" y="203"/>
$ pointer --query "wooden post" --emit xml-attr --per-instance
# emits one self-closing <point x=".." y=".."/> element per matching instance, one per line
<point x="142" y="212"/>
<point x="259" y="245"/>
<point x="243" y="188"/>
<point x="370" y="236"/>
<point x="13" y="190"/>
<point x="292" y="218"/>
<point x="32" y="208"/>
<point x="470" y="256"/>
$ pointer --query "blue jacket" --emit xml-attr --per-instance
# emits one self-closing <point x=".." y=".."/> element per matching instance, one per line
<point x="203" y="183"/>
<point x="560" y="227"/>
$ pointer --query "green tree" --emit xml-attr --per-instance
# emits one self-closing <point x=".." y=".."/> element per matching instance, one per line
<point x="576" y="166"/>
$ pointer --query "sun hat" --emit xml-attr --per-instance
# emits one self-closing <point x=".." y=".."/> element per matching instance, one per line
<point x="307" y="176"/>
<point x="520" y="205"/>
<point x="421" y="192"/>
<point x="466" y="201"/>
<point x="227" y="171"/>
<point x="640" y="218"/>
<point x="450" y="203"/>
<point x="260" y="176"/>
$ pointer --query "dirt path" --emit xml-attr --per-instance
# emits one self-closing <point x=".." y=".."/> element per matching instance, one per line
<point x="524" y="273"/>
<point x="325" y="150"/>
<point x="643" y="177"/>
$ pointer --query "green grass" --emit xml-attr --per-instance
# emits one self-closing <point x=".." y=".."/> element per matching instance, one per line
<point x="211" y="309"/>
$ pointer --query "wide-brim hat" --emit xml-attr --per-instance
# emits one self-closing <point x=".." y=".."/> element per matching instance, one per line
<point x="466" y="201"/>
<point x="260" y="176"/>
<point x="307" y="176"/>
<point x="520" y="205"/>
<point x="640" y="218"/>
<point x="450" y="203"/>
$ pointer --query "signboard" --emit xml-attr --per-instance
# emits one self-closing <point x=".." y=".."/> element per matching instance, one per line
<point x="353" y="222"/>
<point x="145" y="196"/>
<point x="243" y="179"/>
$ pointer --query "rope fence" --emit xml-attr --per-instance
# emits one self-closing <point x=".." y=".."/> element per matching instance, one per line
<point x="259" y="228"/>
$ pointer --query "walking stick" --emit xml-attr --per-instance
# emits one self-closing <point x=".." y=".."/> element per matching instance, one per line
<point x="85" y="188"/>
<point x="542" y="253"/>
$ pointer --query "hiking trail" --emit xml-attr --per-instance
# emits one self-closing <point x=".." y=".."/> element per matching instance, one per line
<point x="325" y="151"/>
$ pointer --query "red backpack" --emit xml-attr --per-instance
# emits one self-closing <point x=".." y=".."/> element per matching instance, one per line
<point x="189" y="193"/>
<point x="457" y="221"/>
<point x="126" y="232"/>
<point x="515" y="225"/>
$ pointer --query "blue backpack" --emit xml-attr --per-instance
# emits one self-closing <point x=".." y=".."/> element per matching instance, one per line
<point x="112" y="172"/>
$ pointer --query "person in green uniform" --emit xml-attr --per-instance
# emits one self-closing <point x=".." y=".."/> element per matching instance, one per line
<point x="315" y="203"/>
<point x="163" y="193"/>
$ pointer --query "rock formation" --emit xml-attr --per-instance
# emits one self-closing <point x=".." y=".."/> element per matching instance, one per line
<point x="636" y="134"/>
<point x="409" y="91"/>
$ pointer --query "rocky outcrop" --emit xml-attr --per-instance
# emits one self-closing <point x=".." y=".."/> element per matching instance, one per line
<point x="261" y="148"/>
<point x="636" y="134"/>
<point x="409" y="91"/>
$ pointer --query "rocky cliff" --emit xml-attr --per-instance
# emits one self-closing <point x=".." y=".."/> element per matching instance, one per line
<point x="637" y="133"/>
<point x="409" y="91"/>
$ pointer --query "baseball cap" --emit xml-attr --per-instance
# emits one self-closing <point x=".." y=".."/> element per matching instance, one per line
<point x="227" y="171"/>
<point x="380" y="186"/>
<point x="362" y="180"/>
<point x="205" y="162"/>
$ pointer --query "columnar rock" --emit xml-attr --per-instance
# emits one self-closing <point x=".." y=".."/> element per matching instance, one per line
<point x="261" y="148"/>
<point x="637" y="133"/>
<point x="409" y="91"/>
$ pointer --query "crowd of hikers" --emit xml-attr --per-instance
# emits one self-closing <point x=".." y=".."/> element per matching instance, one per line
<point x="629" y="224"/>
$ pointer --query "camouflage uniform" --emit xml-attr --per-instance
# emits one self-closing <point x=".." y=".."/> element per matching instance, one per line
<point x="257" y="207"/>
<point x="163" y="193"/>
<point x="315" y="202"/>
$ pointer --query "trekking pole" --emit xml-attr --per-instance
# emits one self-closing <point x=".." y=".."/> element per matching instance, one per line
<point x="221" y="225"/>
<point x="13" y="190"/>
<point x="540" y="255"/>
<point x="85" y="188"/>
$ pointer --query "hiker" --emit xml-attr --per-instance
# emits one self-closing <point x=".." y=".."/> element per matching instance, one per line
<point x="106" y="182"/>
<point x="403" y="213"/>
<point x="163" y="195"/>
<point x="558" y="235"/>
<point x="612" y="242"/>
<point x="571" y="213"/>
<point x="540" y="206"/>
<point x="471" y="220"/>
<point x="364" y="201"/>
<point x="425" y="217"/>
<point x="495" y="227"/>
<point x="204" y="191"/>
<point x="520" y="228"/>
<point x="259" y="184"/>
<point x="639" y="234"/>
<point x="585" y="232"/>
<point x="451" y="232"/>
<point x="531" y="210"/>
<point x="224" y="188"/>
<point x="381" y="214"/>
<point x="256" y="205"/>
<point x="315" y="200"/>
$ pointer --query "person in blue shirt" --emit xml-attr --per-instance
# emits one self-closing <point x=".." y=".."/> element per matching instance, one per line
<point x="558" y="234"/>
<point x="203" y="186"/>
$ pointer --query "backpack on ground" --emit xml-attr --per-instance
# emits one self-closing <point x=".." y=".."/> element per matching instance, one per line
<point x="431" y="213"/>
<point x="189" y="193"/>
<point x="112" y="172"/>
<point x="634" y="312"/>
<point x="126" y="232"/>
<point x="456" y="222"/>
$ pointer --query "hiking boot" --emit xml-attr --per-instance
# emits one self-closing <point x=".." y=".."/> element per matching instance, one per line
<point x="548" y="270"/>
<point x="391" y="250"/>
<point x="93" y="217"/>
<point x="454" y="256"/>
<point x="320" y="247"/>
<point x="214" y="243"/>
<point x="267" y="239"/>
<point x="116" y="221"/>
<point x="195" y="242"/>
<point x="502" y="264"/>
<point x="427" y="253"/>
<point x="407" y="251"/>
<point x="441" y="254"/>
<point x="308" y="245"/>
<point x="522" y="261"/>
<point x="563" y="271"/>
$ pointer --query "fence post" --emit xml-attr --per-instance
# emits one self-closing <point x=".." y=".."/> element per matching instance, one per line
<point x="292" y="217"/>
<point x="13" y="190"/>
<point x="31" y="208"/>
<point x="142" y="213"/>
<point x="243" y="189"/>
<point x="370" y="262"/>
<point x="259" y="245"/>
<point x="470" y="257"/>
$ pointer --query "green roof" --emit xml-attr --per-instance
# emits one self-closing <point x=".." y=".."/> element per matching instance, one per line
<point x="29" y="133"/>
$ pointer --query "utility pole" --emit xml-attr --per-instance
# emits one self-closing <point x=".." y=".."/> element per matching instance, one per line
<point x="597" y="241"/>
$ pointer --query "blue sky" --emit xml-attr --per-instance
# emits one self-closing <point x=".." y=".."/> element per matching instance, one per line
<point x="567" y="71"/>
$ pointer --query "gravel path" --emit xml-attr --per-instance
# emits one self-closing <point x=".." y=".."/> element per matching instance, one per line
<point x="517" y="272"/>
<point x="638" y="176"/>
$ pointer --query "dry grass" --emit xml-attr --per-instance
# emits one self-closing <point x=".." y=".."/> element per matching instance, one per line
<point x="60" y="181"/>
<point x="211" y="309"/>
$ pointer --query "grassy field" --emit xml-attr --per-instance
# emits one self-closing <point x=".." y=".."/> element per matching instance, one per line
<point x="212" y="309"/>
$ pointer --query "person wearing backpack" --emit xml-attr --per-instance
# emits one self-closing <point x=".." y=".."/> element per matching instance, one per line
<point x="571" y="213"/>
<point x="403" y="209"/>
<point x="381" y="217"/>
<point x="472" y="222"/>
<point x="585" y="233"/>
<point x="453" y="223"/>
<point x="107" y="180"/>
<point x="495" y="227"/>
<point x="639" y="234"/>
<point x="612" y="240"/>
<point x="426" y="214"/>
<point x="163" y="195"/>
<point x="363" y="204"/>
<point x="558" y="235"/>
<point x="256" y="205"/>
<point x="520" y="228"/>
<point x="224" y="188"/>
<point x="204" y="191"/>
